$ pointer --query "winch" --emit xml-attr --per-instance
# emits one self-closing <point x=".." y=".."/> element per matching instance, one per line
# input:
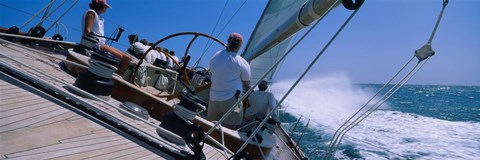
<point x="180" y="123"/>
<point x="98" y="79"/>
<point x="88" y="42"/>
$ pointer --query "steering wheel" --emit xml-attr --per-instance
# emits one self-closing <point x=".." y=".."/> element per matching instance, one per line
<point x="184" y="72"/>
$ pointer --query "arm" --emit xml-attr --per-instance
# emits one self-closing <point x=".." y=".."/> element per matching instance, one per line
<point x="245" y="74"/>
<point x="89" y="18"/>
<point x="246" y="85"/>
<point x="272" y="103"/>
<point x="203" y="87"/>
<point x="197" y="89"/>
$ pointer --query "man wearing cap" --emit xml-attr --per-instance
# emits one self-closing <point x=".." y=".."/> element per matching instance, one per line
<point x="230" y="76"/>
<point x="92" y="22"/>
<point x="261" y="103"/>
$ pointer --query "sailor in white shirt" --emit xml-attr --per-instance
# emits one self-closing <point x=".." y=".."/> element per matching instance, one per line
<point x="230" y="75"/>
<point x="160" y="54"/>
<point x="138" y="49"/>
<point x="261" y="103"/>
<point x="175" y="58"/>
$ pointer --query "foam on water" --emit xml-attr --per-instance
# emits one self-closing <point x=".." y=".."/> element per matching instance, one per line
<point x="385" y="134"/>
<point x="329" y="101"/>
<point x="418" y="137"/>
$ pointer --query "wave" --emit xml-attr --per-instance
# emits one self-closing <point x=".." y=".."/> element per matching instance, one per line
<point x="385" y="134"/>
<point x="329" y="101"/>
<point x="411" y="136"/>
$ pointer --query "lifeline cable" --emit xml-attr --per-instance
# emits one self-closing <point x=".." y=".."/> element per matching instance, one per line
<point x="337" y="139"/>
<point x="422" y="54"/>
<point x="300" y="78"/>
<point x="270" y="70"/>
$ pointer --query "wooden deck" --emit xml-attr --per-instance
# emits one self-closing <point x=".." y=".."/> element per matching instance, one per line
<point x="35" y="125"/>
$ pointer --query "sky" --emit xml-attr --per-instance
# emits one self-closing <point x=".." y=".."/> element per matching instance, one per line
<point x="376" y="43"/>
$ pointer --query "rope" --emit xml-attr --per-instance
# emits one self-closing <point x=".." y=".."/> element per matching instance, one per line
<point x="38" y="39"/>
<point x="214" y="28"/>
<point x="259" y="148"/>
<point x="110" y="39"/>
<point x="49" y="14"/>
<point x="69" y="86"/>
<point x="264" y="75"/>
<point x="62" y="14"/>
<point x="209" y="137"/>
<point x="342" y="131"/>
<point x="301" y="135"/>
<point x="44" y="17"/>
<point x="301" y="77"/>
<point x="57" y="30"/>
<point x="378" y="92"/>
<point x="36" y="14"/>
<point x="357" y="140"/>
<point x="334" y="144"/>
<point x="222" y="135"/>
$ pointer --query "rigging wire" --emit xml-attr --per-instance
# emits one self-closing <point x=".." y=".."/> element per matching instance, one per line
<point x="422" y="54"/>
<point x="334" y="139"/>
<point x="45" y="14"/>
<point x="34" y="16"/>
<point x="303" y="74"/>
<point x="211" y="33"/>
<point x="333" y="146"/>
<point x="351" y="137"/>
<point x="57" y="30"/>
<point x="48" y="14"/>
<point x="228" y="22"/>
<point x="263" y="76"/>
<point x="308" y="68"/>
<point x="279" y="67"/>
<point x="58" y="19"/>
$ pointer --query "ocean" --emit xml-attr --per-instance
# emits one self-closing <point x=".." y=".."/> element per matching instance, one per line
<point x="418" y="122"/>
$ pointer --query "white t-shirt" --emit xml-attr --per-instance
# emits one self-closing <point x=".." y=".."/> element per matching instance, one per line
<point x="139" y="48"/>
<point x="169" y="62"/>
<point x="228" y="71"/>
<point x="162" y="56"/>
<point x="155" y="55"/>
<point x="261" y="102"/>
<point x="97" y="27"/>
<point x="175" y="58"/>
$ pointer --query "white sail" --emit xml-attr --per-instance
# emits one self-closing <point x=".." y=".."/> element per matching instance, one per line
<point x="267" y="44"/>
<point x="260" y="65"/>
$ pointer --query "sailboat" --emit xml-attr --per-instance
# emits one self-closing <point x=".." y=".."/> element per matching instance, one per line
<point x="131" y="111"/>
<point x="142" y="105"/>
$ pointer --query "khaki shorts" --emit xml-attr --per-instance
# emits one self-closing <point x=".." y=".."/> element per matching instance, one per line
<point x="216" y="109"/>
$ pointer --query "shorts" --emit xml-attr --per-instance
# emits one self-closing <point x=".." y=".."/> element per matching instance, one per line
<point x="216" y="109"/>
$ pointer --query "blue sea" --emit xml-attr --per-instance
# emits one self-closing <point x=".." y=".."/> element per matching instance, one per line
<point x="418" y="122"/>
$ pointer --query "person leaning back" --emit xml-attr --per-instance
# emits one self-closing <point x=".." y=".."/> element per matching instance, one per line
<point x="92" y="22"/>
